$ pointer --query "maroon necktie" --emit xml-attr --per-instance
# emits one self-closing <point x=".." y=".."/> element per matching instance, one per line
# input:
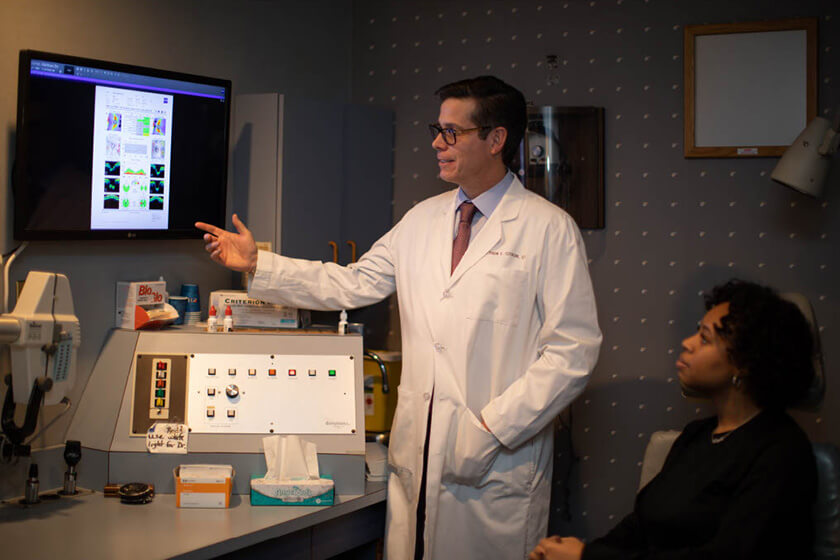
<point x="462" y="240"/>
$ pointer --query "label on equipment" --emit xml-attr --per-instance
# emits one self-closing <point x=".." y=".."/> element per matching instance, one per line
<point x="167" y="438"/>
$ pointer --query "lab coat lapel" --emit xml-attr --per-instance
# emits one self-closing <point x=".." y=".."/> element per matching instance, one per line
<point x="491" y="234"/>
<point x="444" y="229"/>
<point x="486" y="239"/>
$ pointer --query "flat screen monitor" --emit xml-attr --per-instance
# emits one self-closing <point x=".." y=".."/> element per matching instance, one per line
<point x="112" y="151"/>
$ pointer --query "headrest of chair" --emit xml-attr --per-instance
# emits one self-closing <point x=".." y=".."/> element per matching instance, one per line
<point x="816" y="392"/>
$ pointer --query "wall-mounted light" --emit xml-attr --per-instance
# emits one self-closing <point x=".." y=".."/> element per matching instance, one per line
<point x="805" y="164"/>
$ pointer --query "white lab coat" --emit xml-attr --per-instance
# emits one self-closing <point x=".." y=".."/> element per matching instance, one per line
<point x="511" y="337"/>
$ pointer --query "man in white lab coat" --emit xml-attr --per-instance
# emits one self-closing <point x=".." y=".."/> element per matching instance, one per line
<point x="499" y="334"/>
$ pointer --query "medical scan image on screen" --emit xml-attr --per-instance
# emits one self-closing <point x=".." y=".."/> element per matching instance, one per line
<point x="131" y="131"/>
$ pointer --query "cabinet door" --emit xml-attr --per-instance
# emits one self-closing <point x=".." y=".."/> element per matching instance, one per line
<point x="312" y="178"/>
<point x="325" y="170"/>
<point x="255" y="163"/>
<point x="367" y="209"/>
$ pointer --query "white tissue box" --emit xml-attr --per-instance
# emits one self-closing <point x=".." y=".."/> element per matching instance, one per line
<point x="308" y="492"/>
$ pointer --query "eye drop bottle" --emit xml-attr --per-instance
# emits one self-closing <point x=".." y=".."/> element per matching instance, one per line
<point x="211" y="319"/>
<point x="228" y="323"/>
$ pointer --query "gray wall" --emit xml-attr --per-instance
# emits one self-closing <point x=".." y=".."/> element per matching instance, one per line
<point x="300" y="48"/>
<point x="674" y="226"/>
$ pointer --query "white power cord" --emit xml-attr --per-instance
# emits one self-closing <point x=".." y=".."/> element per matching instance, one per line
<point x="6" y="267"/>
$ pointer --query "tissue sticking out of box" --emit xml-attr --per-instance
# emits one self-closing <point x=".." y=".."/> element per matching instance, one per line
<point x="290" y="458"/>
<point x="292" y="470"/>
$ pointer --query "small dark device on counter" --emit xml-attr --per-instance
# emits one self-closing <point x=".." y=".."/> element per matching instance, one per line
<point x="72" y="456"/>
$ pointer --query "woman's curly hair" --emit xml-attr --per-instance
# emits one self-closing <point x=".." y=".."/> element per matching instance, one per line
<point x="768" y="339"/>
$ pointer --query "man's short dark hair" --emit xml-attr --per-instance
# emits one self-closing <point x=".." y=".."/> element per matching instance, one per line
<point x="768" y="339"/>
<point x="497" y="104"/>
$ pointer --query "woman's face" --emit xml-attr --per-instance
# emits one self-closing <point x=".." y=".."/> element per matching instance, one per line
<point x="704" y="365"/>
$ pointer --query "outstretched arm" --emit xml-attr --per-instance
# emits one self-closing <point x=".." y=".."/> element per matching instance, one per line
<point x="237" y="251"/>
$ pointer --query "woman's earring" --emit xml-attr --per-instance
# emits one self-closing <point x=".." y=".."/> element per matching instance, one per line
<point x="736" y="381"/>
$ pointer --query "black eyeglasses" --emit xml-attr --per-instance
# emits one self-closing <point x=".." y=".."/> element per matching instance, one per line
<point x="450" y="135"/>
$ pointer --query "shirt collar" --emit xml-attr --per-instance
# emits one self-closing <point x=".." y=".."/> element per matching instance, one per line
<point x="487" y="201"/>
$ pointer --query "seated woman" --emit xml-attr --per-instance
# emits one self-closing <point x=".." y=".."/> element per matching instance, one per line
<point x="740" y="484"/>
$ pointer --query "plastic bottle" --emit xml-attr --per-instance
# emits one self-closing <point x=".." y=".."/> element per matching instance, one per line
<point x="211" y="319"/>
<point x="228" y="323"/>
<point x="342" y="322"/>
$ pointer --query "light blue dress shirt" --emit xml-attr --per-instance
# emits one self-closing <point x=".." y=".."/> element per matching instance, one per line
<point x="485" y="203"/>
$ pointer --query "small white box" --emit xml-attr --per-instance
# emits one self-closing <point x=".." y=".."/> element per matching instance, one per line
<point x="203" y="486"/>
<point x="250" y="312"/>
<point x="134" y="299"/>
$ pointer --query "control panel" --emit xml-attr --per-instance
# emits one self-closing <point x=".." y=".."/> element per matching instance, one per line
<point x="246" y="393"/>
<point x="160" y="389"/>
<point x="271" y="394"/>
<point x="160" y="382"/>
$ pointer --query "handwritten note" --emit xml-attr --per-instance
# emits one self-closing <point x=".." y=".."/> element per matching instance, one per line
<point x="167" y="438"/>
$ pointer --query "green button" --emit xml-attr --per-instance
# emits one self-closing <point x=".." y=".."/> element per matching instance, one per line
<point x="160" y="392"/>
<point x="331" y="373"/>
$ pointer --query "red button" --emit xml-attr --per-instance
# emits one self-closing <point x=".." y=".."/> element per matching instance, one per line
<point x="160" y="383"/>
<point x="292" y="373"/>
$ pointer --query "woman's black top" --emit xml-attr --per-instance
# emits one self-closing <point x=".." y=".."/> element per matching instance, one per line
<point x="748" y="496"/>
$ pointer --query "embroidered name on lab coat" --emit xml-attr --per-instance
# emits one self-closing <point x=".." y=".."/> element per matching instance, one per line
<point x="506" y="254"/>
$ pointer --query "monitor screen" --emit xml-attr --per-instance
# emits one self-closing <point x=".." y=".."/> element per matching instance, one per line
<point x="111" y="151"/>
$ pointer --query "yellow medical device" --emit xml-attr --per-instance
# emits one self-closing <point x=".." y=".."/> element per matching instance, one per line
<point x="382" y="376"/>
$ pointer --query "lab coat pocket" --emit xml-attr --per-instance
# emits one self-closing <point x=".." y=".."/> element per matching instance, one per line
<point x="473" y="451"/>
<point x="406" y="435"/>
<point x="497" y="294"/>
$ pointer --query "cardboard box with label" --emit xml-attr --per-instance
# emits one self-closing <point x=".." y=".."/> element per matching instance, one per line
<point x="203" y="486"/>
<point x="142" y="305"/>
<point x="250" y="312"/>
